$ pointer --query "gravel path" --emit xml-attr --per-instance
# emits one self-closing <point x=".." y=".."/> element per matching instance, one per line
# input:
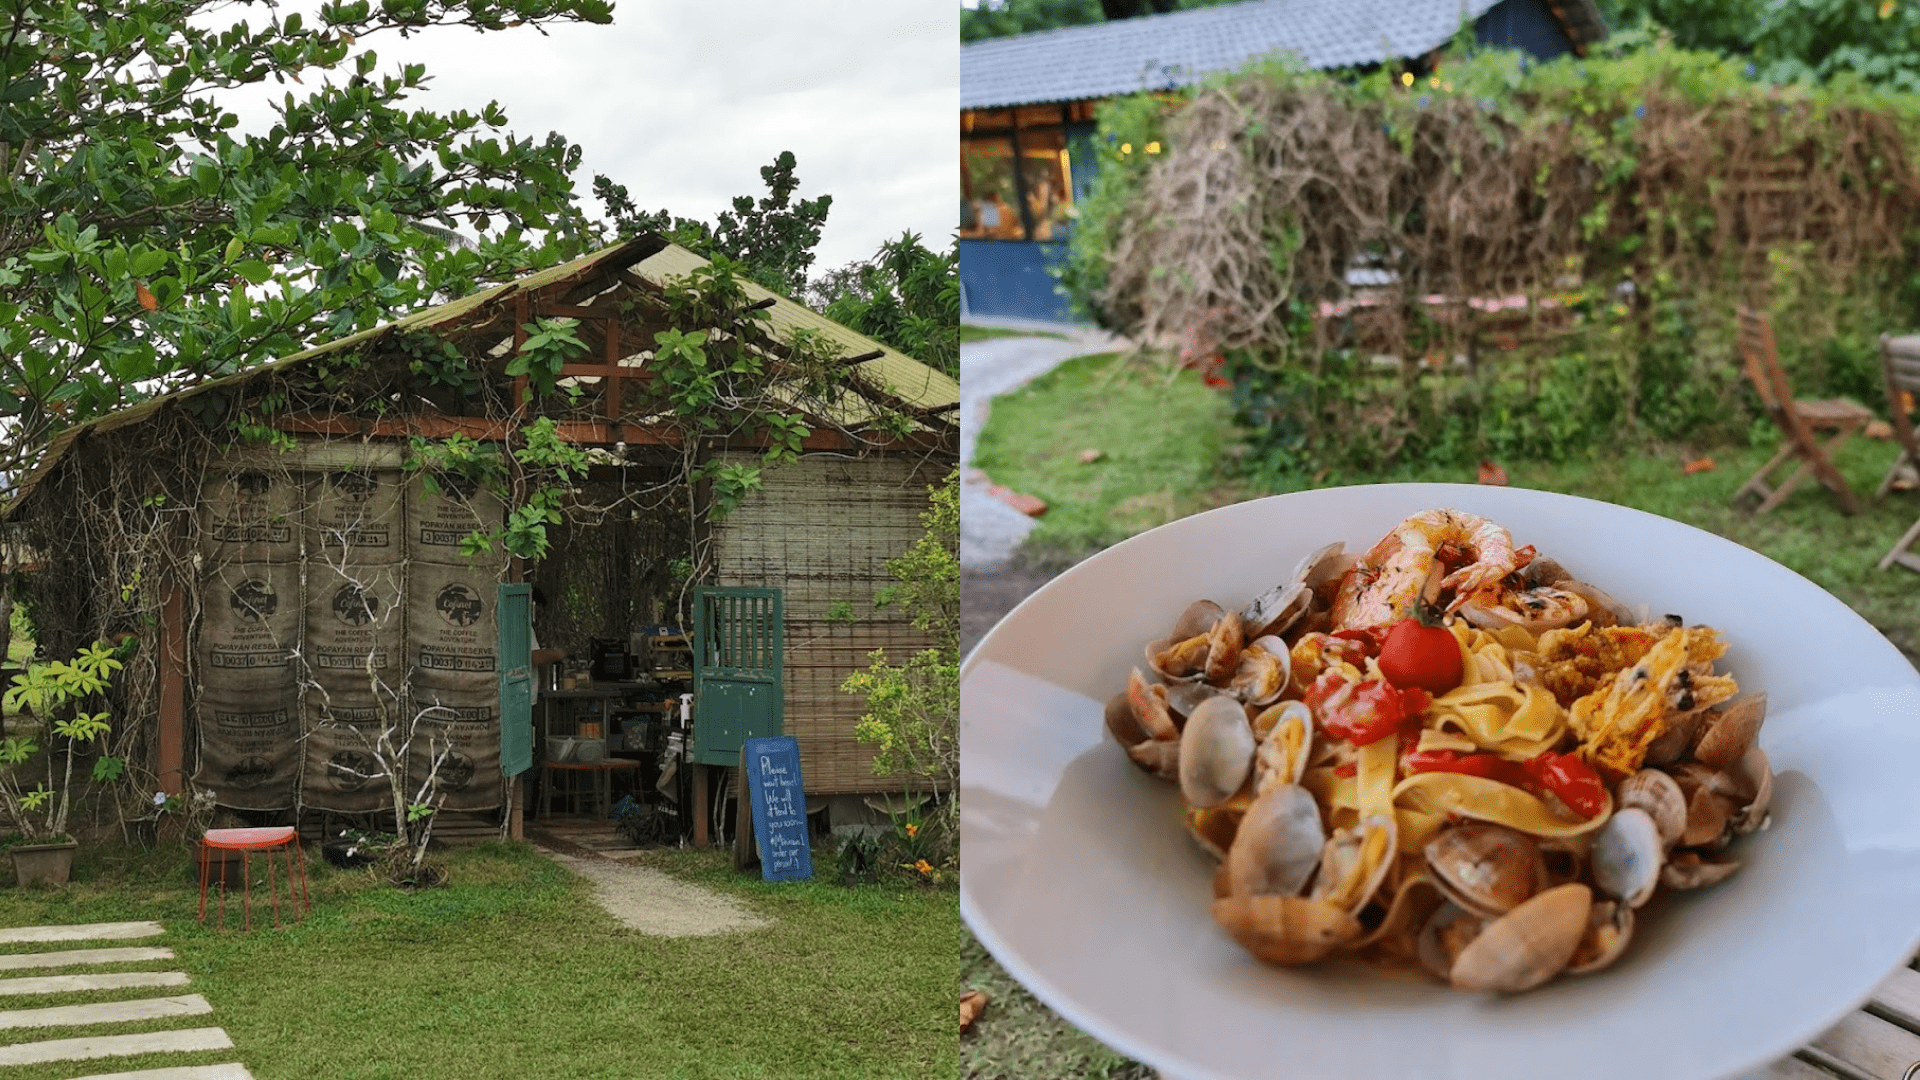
<point x="656" y="903"/>
<point x="990" y="530"/>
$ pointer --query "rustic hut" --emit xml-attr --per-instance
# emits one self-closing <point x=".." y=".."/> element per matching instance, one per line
<point x="311" y="552"/>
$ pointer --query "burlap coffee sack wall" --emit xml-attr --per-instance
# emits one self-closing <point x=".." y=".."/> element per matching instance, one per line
<point x="469" y="726"/>
<point x="356" y="514"/>
<point x="452" y="639"/>
<point x="340" y="759"/>
<point x="250" y="627"/>
<point x="249" y="746"/>
<point x="355" y="617"/>
<point x="249" y="515"/>
<point x="439" y="521"/>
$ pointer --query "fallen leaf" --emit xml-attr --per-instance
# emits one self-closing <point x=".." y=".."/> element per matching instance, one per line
<point x="1704" y="464"/>
<point x="147" y="299"/>
<point x="1030" y="505"/>
<point x="1906" y="401"/>
<point x="972" y="1003"/>
<point x="1878" y="429"/>
<point x="1089" y="456"/>
<point x="1493" y="474"/>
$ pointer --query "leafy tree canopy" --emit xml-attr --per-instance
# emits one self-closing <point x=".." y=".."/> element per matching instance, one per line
<point x="1000" y="18"/>
<point x="907" y="296"/>
<point x="145" y="244"/>
<point x="773" y="238"/>
<point x="1874" y="41"/>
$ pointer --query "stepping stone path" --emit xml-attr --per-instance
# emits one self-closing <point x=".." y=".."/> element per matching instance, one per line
<point x="138" y="1010"/>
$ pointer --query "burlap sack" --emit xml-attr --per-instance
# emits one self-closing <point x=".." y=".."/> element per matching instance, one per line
<point x="439" y="522"/>
<point x="250" y="628"/>
<point x="249" y="515"/>
<point x="356" y="515"/>
<point x="249" y="747"/>
<point x="452" y="640"/>
<point x="467" y="727"/>
<point x="354" y="617"/>
<point x="340" y="762"/>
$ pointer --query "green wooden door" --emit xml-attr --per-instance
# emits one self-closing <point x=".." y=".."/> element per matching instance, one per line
<point x="516" y="679"/>
<point x="737" y="667"/>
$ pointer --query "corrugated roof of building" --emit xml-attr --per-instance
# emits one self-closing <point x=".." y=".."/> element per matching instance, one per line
<point x="914" y="384"/>
<point x="1161" y="52"/>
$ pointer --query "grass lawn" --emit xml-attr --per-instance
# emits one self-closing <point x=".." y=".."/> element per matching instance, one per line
<point x="1167" y="441"/>
<point x="512" y="971"/>
<point x="969" y="332"/>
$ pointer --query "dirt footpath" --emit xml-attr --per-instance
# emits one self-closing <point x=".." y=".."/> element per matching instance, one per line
<point x="656" y="903"/>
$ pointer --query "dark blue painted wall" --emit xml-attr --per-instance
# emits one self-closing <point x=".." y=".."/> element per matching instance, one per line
<point x="1522" y="24"/>
<point x="1009" y="279"/>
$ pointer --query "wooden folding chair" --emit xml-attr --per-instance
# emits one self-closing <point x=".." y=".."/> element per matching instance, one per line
<point x="1900" y="363"/>
<point x="1798" y="421"/>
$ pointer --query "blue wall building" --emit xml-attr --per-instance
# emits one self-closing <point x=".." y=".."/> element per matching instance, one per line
<point x="1026" y="119"/>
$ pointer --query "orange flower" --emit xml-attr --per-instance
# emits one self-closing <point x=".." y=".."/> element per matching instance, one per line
<point x="923" y="866"/>
<point x="912" y="830"/>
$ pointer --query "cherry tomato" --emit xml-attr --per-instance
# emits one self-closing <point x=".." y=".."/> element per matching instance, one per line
<point x="1572" y="780"/>
<point x="1373" y="710"/>
<point x="1490" y="766"/>
<point x="1415" y="654"/>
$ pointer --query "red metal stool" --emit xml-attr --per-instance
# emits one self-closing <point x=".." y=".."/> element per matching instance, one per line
<point x="247" y="841"/>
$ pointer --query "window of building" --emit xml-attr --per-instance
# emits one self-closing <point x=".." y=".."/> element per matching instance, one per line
<point x="1018" y="170"/>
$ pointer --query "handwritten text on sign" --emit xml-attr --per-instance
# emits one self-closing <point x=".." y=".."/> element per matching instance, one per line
<point x="779" y="808"/>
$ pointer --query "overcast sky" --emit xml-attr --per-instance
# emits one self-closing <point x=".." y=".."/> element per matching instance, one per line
<point x="684" y="101"/>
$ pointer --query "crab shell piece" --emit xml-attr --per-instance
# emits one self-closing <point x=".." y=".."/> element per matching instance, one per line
<point x="1216" y="752"/>
<point x="1285" y="929"/>
<point x="1627" y="855"/>
<point x="1659" y="795"/>
<point x="1609" y="928"/>
<point x="1526" y="946"/>
<point x="1728" y="734"/>
<point x="1486" y="869"/>
<point x="1278" y="844"/>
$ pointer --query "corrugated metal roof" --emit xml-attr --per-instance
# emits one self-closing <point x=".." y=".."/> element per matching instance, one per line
<point x="1161" y="52"/>
<point x="913" y="383"/>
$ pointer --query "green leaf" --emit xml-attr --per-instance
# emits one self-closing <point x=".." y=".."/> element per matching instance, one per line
<point x="255" y="271"/>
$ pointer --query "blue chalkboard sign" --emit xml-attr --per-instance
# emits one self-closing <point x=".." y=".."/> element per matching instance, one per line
<point x="772" y="771"/>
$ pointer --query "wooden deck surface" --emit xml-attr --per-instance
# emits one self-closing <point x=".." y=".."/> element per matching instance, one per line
<point x="1878" y="1041"/>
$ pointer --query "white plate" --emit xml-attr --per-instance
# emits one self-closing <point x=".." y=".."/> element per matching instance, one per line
<point x="1080" y="880"/>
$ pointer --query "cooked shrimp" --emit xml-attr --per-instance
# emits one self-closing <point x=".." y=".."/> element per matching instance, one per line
<point x="1390" y="577"/>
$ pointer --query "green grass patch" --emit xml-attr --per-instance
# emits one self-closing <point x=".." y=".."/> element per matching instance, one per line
<point x="1166" y="443"/>
<point x="512" y="971"/>
<point x="1160" y="434"/>
<point x="986" y="333"/>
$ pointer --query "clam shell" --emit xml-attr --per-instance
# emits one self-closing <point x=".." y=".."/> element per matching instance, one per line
<point x="1537" y="610"/>
<point x="1216" y="752"/>
<point x="1526" y="946"/>
<point x="1277" y="609"/>
<point x="1546" y="571"/>
<point x="1157" y="756"/>
<point x="1486" y="869"/>
<point x="1264" y="670"/>
<point x="1195" y="620"/>
<point x="1604" y="609"/>
<point x="1445" y="935"/>
<point x="1149" y="705"/>
<point x="1273" y="762"/>
<point x="1754" y="775"/>
<point x="1727" y="735"/>
<point x="1323" y="565"/>
<point x="1121" y="723"/>
<point x="1278" y="844"/>
<point x="1225" y="642"/>
<point x="1216" y="827"/>
<point x="1347" y="879"/>
<point x="1184" y="697"/>
<point x="1706" y="818"/>
<point x="1177" y="659"/>
<point x="1659" y="795"/>
<point x="1688" y="870"/>
<point x="1672" y="744"/>
<point x="1285" y="929"/>
<point x="1627" y="854"/>
<point x="1609" y="928"/>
